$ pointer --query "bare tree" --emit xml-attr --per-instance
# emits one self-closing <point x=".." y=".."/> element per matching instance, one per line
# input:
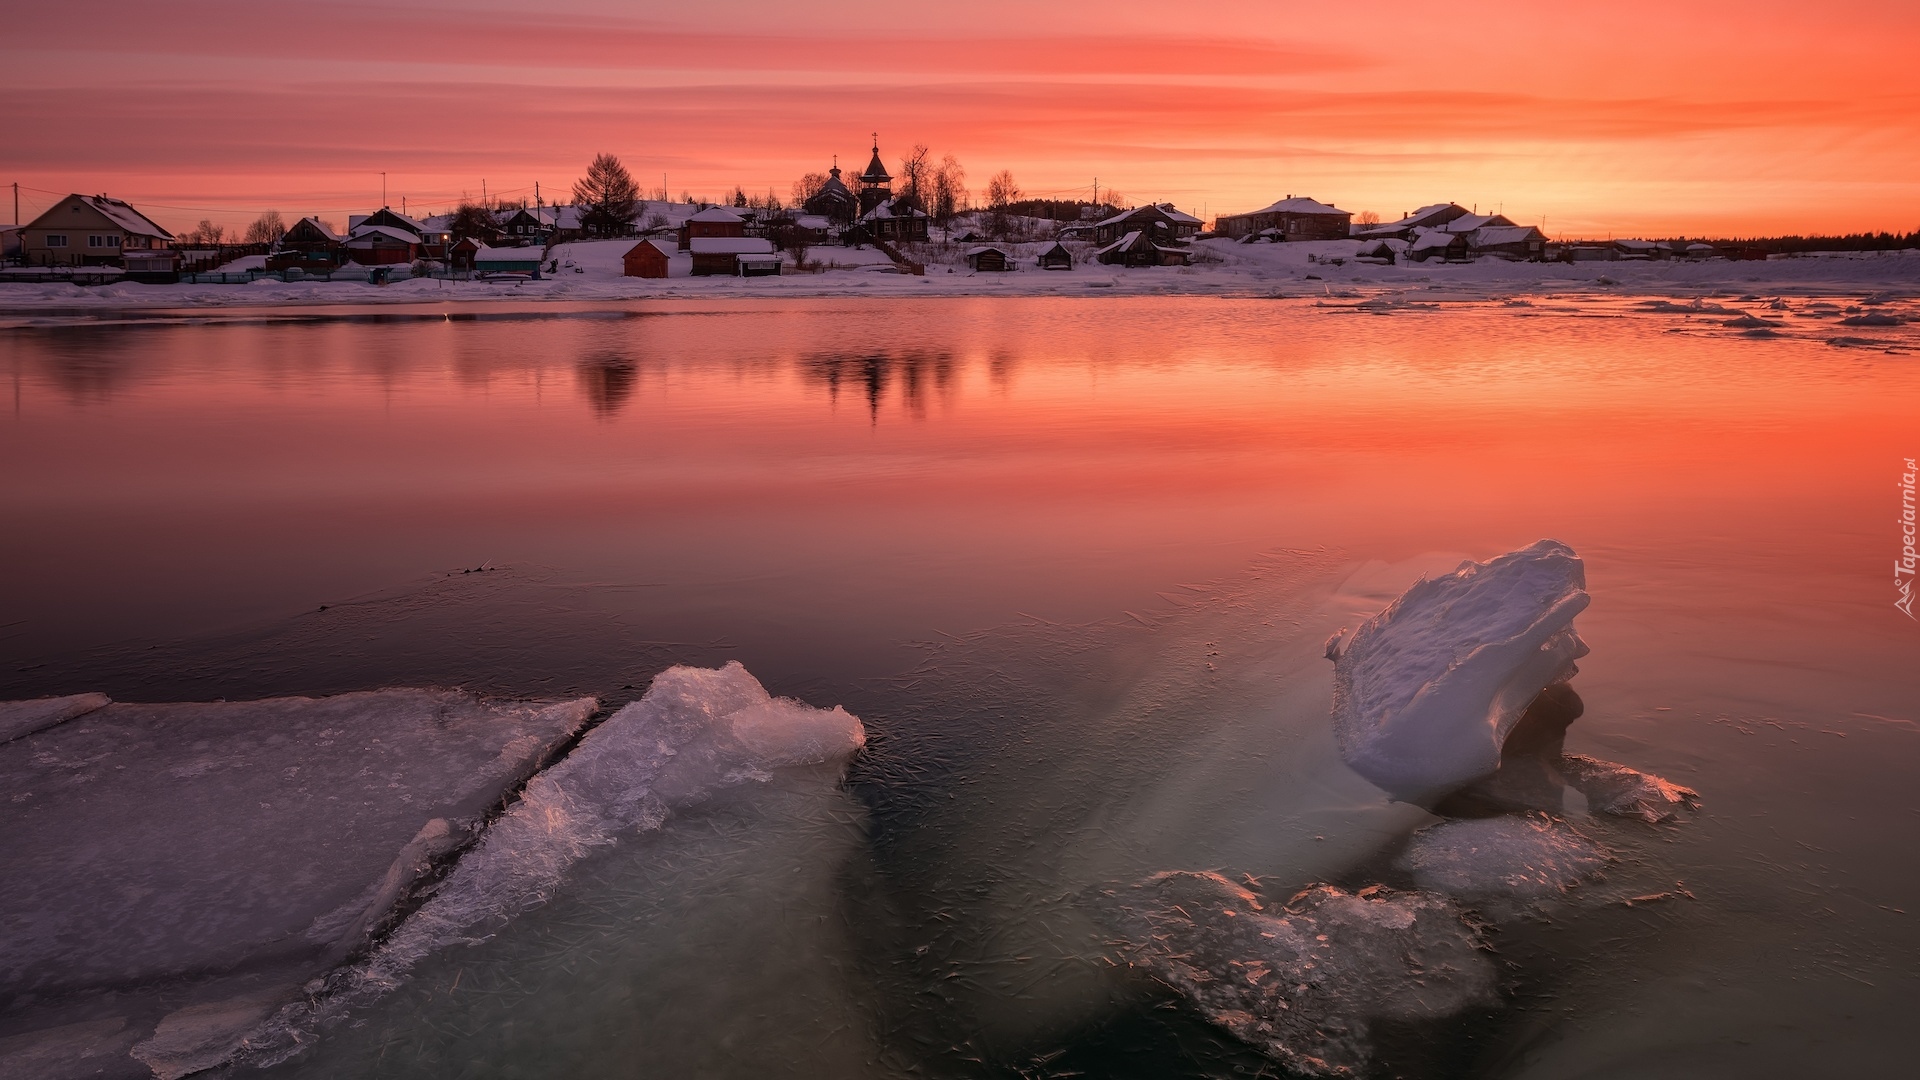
<point x="916" y="169"/>
<point x="206" y="233"/>
<point x="266" y="229"/>
<point x="807" y="187"/>
<point x="1001" y="189"/>
<point x="609" y="194"/>
<point x="476" y="220"/>
<point x="949" y="189"/>
<point x="1368" y="217"/>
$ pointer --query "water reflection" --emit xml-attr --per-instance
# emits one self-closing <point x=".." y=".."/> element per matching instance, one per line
<point x="608" y="382"/>
<point x="915" y="371"/>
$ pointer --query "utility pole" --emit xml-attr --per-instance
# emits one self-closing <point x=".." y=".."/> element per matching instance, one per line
<point x="16" y="202"/>
<point x="537" y="201"/>
<point x="383" y="189"/>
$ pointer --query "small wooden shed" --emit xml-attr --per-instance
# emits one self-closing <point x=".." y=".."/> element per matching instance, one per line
<point x="988" y="258"/>
<point x="647" y="259"/>
<point x="1055" y="257"/>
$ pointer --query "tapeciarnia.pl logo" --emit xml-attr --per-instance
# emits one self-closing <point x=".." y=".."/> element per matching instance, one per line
<point x="1903" y="566"/>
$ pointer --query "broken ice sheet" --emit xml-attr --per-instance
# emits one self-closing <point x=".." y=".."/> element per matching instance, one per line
<point x="1306" y="980"/>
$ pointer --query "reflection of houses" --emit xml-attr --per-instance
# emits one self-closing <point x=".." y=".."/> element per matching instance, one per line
<point x="1165" y="224"/>
<point x="895" y="219"/>
<point x="716" y="221"/>
<point x="1291" y="218"/>
<point x="309" y="246"/>
<point x="1140" y="249"/>
<point x="91" y="230"/>
<point x="649" y="259"/>
<point x="1055" y="257"/>
<point x="746" y="256"/>
<point x="833" y="201"/>
<point x="988" y="258"/>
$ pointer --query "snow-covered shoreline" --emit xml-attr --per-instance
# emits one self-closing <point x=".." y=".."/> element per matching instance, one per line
<point x="590" y="271"/>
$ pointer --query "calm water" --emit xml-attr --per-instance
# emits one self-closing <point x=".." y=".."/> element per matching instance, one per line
<point x="1073" y="563"/>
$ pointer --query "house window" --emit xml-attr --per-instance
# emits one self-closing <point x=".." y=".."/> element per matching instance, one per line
<point x="56" y="240"/>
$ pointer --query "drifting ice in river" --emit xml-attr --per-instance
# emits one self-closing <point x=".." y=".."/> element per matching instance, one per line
<point x="1426" y="692"/>
<point x="1305" y="981"/>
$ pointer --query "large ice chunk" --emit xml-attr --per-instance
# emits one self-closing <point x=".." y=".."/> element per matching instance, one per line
<point x="1305" y="981"/>
<point x="694" y="732"/>
<point x="22" y="718"/>
<point x="1426" y="692"/>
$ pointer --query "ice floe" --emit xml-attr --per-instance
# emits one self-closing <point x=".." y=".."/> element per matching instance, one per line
<point x="1306" y="981"/>
<point x="1522" y="857"/>
<point x="21" y="718"/>
<point x="695" y="731"/>
<point x="1426" y="692"/>
<point x="1616" y="789"/>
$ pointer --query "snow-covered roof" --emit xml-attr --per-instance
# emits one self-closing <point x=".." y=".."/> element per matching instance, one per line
<point x="812" y="221"/>
<point x="321" y="228"/>
<point x="1431" y="239"/>
<point x="365" y="235"/>
<point x="891" y="209"/>
<point x="664" y="247"/>
<point x="730" y="245"/>
<point x="1426" y="214"/>
<point x="438" y="223"/>
<point x="506" y="254"/>
<point x="1489" y="235"/>
<point x="123" y="216"/>
<point x="983" y="249"/>
<point x="1467" y="223"/>
<point x="718" y="213"/>
<point x="1179" y="216"/>
<point x="1124" y="242"/>
<point x="1300" y="204"/>
<point x="1636" y="245"/>
<point x="541" y="214"/>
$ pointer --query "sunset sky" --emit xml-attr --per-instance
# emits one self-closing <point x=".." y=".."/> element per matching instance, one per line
<point x="1630" y="117"/>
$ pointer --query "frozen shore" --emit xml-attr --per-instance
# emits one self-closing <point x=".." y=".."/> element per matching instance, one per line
<point x="591" y="271"/>
<point x="177" y="872"/>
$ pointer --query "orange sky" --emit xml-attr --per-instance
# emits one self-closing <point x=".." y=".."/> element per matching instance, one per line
<point x="1628" y="117"/>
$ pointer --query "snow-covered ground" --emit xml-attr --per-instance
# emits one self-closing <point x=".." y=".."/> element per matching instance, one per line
<point x="591" y="270"/>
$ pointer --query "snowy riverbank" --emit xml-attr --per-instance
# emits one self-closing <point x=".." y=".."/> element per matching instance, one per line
<point x="591" y="271"/>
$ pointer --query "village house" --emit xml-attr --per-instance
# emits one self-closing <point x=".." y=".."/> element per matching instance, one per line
<point x="1439" y="244"/>
<point x="715" y="221"/>
<point x="723" y="254"/>
<point x="309" y="246"/>
<point x="1055" y="257"/>
<point x="649" y="259"/>
<point x="896" y="219"/>
<point x="382" y="245"/>
<point x="988" y="258"/>
<point x="1292" y="218"/>
<point x="90" y="230"/>
<point x="1162" y="221"/>
<point x="526" y="226"/>
<point x="1139" y="248"/>
<point x="1520" y="242"/>
<point x="1427" y="217"/>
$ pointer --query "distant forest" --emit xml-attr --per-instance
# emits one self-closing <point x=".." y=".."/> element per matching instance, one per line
<point x="1793" y="245"/>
